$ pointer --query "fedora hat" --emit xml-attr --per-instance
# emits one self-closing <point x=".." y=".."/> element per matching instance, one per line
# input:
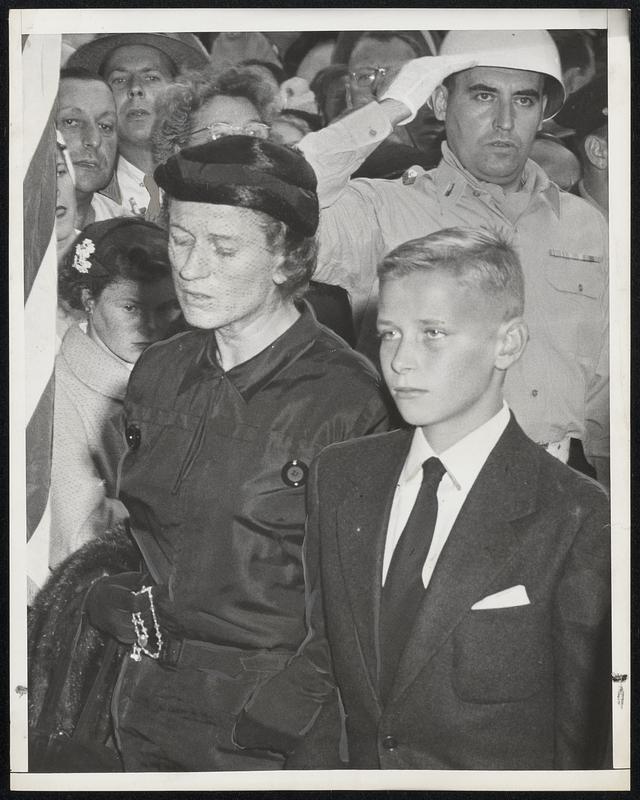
<point x="184" y="49"/>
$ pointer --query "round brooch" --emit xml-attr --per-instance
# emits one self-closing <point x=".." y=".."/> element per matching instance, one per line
<point x="294" y="473"/>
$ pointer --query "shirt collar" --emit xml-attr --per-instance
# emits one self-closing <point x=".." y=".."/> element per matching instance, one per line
<point x="253" y="375"/>
<point x="124" y="169"/>
<point x="112" y="190"/>
<point x="449" y="172"/>
<point x="464" y="459"/>
<point x="130" y="170"/>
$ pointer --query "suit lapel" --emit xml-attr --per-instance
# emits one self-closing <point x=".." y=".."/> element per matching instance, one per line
<point x="362" y="520"/>
<point x="482" y="542"/>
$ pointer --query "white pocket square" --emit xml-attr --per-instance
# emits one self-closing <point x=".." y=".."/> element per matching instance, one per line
<point x="513" y="596"/>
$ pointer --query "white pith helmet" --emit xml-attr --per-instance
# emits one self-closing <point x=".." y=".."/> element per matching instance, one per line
<point x="533" y="51"/>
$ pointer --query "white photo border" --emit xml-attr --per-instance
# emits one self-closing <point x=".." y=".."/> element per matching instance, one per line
<point x="56" y="21"/>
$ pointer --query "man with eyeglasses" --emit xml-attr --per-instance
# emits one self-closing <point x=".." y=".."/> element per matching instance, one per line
<point x="137" y="67"/>
<point x="375" y="55"/>
<point x="493" y="91"/>
<point x="375" y="58"/>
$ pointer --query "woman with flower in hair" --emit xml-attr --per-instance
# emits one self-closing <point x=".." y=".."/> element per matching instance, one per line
<point x="118" y="273"/>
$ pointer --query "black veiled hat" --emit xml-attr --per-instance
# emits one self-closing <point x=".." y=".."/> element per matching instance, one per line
<point x="247" y="172"/>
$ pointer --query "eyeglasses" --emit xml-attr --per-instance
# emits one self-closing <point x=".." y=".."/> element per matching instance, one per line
<point x="367" y="76"/>
<point x="219" y="129"/>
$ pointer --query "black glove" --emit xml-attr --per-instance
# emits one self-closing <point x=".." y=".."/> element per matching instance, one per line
<point x="111" y="601"/>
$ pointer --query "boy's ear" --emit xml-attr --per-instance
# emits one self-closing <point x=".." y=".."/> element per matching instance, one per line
<point x="512" y="340"/>
<point x="439" y="100"/>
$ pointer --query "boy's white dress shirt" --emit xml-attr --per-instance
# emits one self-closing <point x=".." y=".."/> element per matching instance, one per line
<point x="463" y="462"/>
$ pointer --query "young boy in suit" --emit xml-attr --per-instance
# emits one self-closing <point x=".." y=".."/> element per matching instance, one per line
<point x="458" y="576"/>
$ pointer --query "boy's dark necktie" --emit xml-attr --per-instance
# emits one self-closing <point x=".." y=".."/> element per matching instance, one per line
<point x="403" y="588"/>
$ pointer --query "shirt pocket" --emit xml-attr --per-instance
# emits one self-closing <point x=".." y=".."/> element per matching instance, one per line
<point x="501" y="655"/>
<point x="578" y="289"/>
<point x="158" y="441"/>
<point x="575" y="273"/>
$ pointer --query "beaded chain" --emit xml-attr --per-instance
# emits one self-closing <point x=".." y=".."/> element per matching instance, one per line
<point x="142" y="635"/>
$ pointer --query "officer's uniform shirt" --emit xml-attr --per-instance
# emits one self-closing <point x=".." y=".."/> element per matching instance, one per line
<point x="559" y="388"/>
<point x="215" y="477"/>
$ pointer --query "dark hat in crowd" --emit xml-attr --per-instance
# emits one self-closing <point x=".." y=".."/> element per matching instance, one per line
<point x="184" y="49"/>
<point x="246" y="172"/>
<point x="586" y="110"/>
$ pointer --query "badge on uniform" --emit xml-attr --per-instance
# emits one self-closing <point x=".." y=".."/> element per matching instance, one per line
<point x="409" y="176"/>
<point x="294" y="473"/>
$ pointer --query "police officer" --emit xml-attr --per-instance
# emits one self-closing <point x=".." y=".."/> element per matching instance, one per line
<point x="492" y="107"/>
<point x="222" y="423"/>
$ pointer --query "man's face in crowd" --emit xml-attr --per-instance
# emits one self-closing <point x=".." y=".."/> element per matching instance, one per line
<point x="136" y="75"/>
<point x="370" y="53"/>
<point x="492" y="116"/>
<point x="86" y="119"/>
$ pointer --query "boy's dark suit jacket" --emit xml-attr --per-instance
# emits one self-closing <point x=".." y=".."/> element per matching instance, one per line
<point x="522" y="687"/>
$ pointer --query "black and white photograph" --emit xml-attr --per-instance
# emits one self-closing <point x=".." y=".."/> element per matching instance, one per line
<point x="319" y="399"/>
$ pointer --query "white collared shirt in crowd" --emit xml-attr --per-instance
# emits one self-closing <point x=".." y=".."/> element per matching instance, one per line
<point x="105" y="208"/>
<point x="135" y="197"/>
<point x="463" y="462"/>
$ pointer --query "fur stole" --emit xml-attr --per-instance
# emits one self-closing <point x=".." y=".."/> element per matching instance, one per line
<point x="72" y="666"/>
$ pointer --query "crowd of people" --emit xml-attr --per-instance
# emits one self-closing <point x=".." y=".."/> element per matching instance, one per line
<point x="252" y="228"/>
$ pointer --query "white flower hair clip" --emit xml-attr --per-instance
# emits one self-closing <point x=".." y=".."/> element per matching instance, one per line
<point x="81" y="258"/>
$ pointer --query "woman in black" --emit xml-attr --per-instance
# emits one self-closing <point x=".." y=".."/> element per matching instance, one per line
<point x="222" y="424"/>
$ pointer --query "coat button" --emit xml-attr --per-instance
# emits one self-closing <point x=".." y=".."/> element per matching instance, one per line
<point x="389" y="743"/>
<point x="133" y="436"/>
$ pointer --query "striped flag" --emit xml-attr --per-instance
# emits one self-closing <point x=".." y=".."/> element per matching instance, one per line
<point x="40" y="68"/>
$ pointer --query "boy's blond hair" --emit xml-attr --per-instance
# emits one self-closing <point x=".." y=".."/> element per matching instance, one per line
<point x="482" y="259"/>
